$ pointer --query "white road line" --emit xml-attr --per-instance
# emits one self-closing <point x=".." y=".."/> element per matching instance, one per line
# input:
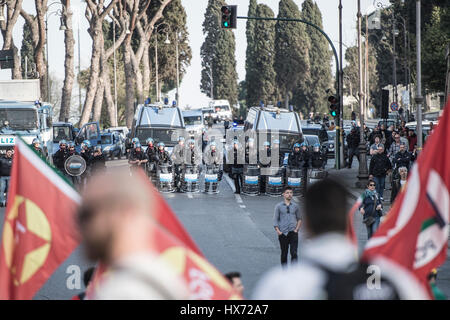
<point x="190" y="196"/>
<point x="242" y="206"/>
<point x="238" y="198"/>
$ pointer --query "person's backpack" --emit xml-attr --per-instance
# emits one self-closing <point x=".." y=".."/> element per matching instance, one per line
<point x="357" y="283"/>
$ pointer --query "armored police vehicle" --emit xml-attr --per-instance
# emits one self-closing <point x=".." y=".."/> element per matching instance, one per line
<point x="163" y="123"/>
<point x="30" y="120"/>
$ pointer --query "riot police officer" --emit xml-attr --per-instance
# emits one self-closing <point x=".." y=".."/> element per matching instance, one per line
<point x="70" y="152"/>
<point x="276" y="151"/>
<point x="37" y="147"/>
<point x="87" y="154"/>
<point x="268" y="153"/>
<point x="138" y="158"/>
<point x="193" y="154"/>
<point x="213" y="158"/>
<point x="318" y="160"/>
<point x="237" y="168"/>
<point x="60" y="156"/>
<point x="251" y="154"/>
<point x="162" y="156"/>
<point x="98" y="160"/>
<point x="294" y="160"/>
<point x="151" y="155"/>
<point x="178" y="160"/>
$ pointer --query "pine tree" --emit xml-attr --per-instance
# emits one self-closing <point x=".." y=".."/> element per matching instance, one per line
<point x="312" y="95"/>
<point x="218" y="56"/>
<point x="291" y="50"/>
<point x="27" y="50"/>
<point x="263" y="86"/>
<point x="250" y="70"/>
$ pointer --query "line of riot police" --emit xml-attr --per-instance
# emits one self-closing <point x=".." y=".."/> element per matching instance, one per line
<point x="77" y="167"/>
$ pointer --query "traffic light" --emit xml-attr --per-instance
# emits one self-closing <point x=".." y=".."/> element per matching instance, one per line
<point x="334" y="106"/>
<point x="229" y="14"/>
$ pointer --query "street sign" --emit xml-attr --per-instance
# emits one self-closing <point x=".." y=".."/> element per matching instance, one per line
<point x="394" y="106"/>
<point x="6" y="59"/>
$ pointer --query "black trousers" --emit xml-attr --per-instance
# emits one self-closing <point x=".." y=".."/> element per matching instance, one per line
<point x="352" y="152"/>
<point x="288" y="243"/>
<point x="238" y="180"/>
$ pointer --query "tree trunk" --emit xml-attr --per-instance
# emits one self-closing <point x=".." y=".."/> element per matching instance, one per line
<point x="94" y="72"/>
<point x="68" y="64"/>
<point x="41" y="10"/>
<point x="98" y="101"/>
<point x="129" y="83"/>
<point x="146" y="71"/>
<point x="13" y="9"/>
<point x="111" y="108"/>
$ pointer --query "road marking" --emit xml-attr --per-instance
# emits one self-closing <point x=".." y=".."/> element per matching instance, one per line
<point x="230" y="182"/>
<point x="190" y="196"/>
<point x="238" y="198"/>
<point x="242" y="206"/>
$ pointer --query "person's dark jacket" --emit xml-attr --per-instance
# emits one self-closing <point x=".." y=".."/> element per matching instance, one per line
<point x="151" y="153"/>
<point x="403" y="159"/>
<point x="318" y="160"/>
<point x="412" y="141"/>
<point x="59" y="157"/>
<point x="5" y="166"/>
<point x="353" y="139"/>
<point x="379" y="165"/>
<point x="163" y="157"/>
<point x="251" y="156"/>
<point x="134" y="155"/>
<point x="212" y="157"/>
<point x="301" y="159"/>
<point x="372" y="136"/>
<point x="370" y="203"/>
<point x="236" y="161"/>
<point x="389" y="139"/>
<point x="87" y="156"/>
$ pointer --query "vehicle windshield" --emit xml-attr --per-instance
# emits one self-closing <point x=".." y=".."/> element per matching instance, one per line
<point x="161" y="117"/>
<point x="222" y="108"/>
<point x="192" y="120"/>
<point x="167" y="136"/>
<point x="312" y="140"/>
<point x="331" y="135"/>
<point x="106" y="139"/>
<point x="285" y="121"/>
<point x="18" y="119"/>
<point x="62" y="133"/>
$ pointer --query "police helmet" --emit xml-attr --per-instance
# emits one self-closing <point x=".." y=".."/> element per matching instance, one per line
<point x="297" y="145"/>
<point x="35" y="140"/>
<point x="161" y="144"/>
<point x="303" y="144"/>
<point x="149" y="140"/>
<point x="137" y="145"/>
<point x="213" y="143"/>
<point x="86" y="143"/>
<point x="316" y="145"/>
<point x="71" y="144"/>
<point x="191" y="141"/>
<point x="135" y="140"/>
<point x="62" y="142"/>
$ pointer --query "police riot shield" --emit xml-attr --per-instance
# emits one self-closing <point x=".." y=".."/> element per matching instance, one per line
<point x="274" y="181"/>
<point x="165" y="178"/>
<point x="251" y="180"/>
<point x="295" y="180"/>
<point x="212" y="179"/>
<point x="316" y="175"/>
<point x="190" y="178"/>
<point x="75" y="166"/>
<point x="152" y="172"/>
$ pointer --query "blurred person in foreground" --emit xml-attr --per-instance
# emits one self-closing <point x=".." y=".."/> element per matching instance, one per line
<point x="236" y="282"/>
<point x="114" y="219"/>
<point x="328" y="267"/>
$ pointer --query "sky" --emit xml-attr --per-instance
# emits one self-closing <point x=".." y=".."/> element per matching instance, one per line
<point x="190" y="93"/>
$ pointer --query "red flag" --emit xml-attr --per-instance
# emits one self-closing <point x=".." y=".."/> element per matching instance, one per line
<point x="39" y="231"/>
<point x="415" y="231"/>
<point x="175" y="246"/>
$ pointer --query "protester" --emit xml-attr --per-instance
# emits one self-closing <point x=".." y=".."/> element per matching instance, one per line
<point x="375" y="145"/>
<point x="371" y="209"/>
<point x="399" y="183"/>
<point x="328" y="268"/>
<point x="5" y="173"/>
<point x="378" y="169"/>
<point x="412" y="140"/>
<point x="287" y="221"/>
<point x="353" y="140"/>
<point x="114" y="221"/>
<point x="402" y="158"/>
<point x="235" y="280"/>
<point x="394" y="148"/>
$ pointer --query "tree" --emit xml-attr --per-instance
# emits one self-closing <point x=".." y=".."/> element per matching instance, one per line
<point x="437" y="36"/>
<point x="263" y="85"/>
<point x="313" y="95"/>
<point x="27" y="50"/>
<point x="69" y="73"/>
<point x="218" y="54"/>
<point x="291" y="50"/>
<point x="250" y="69"/>
<point x="13" y="8"/>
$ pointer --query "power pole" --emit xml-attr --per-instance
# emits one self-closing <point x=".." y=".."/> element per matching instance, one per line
<point x="419" y="98"/>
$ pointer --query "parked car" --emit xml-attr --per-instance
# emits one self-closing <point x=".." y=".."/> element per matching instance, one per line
<point x="112" y="145"/>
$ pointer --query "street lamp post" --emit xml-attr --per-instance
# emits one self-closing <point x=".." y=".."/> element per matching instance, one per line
<point x="62" y="27"/>
<point x="363" y="173"/>
<point x="158" y="95"/>
<point x="419" y="98"/>
<point x="177" y="97"/>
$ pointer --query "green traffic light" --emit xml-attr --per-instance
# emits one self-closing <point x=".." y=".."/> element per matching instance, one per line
<point x="225" y="24"/>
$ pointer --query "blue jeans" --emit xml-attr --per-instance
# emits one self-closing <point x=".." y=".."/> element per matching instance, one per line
<point x="4" y="185"/>
<point x="379" y="181"/>
<point x="373" y="227"/>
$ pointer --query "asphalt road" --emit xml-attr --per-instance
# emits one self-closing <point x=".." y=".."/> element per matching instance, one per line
<point x="234" y="232"/>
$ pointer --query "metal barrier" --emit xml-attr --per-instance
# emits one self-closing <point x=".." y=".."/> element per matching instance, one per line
<point x="212" y="179"/>
<point x="190" y="181"/>
<point x="165" y="178"/>
<point x="296" y="180"/>
<point x="274" y="181"/>
<point x="251" y="180"/>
